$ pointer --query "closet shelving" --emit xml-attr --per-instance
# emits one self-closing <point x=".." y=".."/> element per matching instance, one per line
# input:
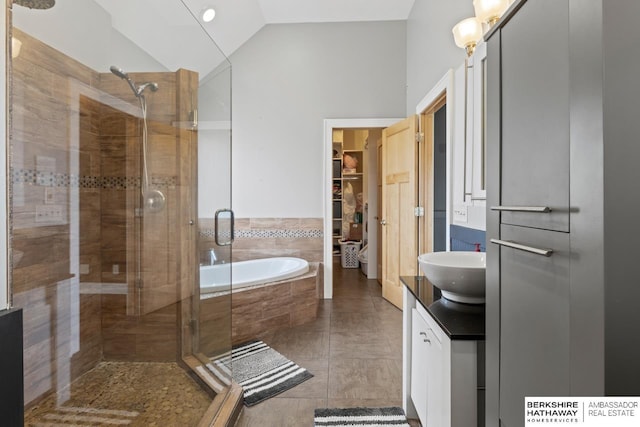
<point x="348" y="181"/>
<point x="337" y="194"/>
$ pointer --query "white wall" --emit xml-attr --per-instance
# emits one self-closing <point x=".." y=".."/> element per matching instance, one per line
<point x="286" y="80"/>
<point x="214" y="142"/>
<point x="431" y="50"/>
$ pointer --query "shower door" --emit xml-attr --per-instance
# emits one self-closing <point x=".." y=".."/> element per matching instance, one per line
<point x="110" y="218"/>
<point x="212" y="305"/>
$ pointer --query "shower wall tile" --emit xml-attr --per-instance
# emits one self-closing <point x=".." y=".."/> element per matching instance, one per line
<point x="151" y="337"/>
<point x="50" y="337"/>
<point x="59" y="320"/>
<point x="69" y="149"/>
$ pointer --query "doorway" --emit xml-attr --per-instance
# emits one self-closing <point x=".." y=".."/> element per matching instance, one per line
<point x="336" y="225"/>
<point x="436" y="116"/>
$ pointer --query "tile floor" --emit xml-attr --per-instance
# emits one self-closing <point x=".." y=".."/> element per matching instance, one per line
<point x="354" y="350"/>
<point x="145" y="394"/>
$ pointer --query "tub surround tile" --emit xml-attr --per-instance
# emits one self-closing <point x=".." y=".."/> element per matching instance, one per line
<point x="256" y="311"/>
<point x="268" y="237"/>
<point x="215" y="325"/>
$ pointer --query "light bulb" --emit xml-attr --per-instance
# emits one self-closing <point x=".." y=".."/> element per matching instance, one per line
<point x="467" y="33"/>
<point x="208" y="14"/>
<point x="489" y="11"/>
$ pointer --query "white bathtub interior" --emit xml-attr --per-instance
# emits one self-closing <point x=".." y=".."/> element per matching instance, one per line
<point x="219" y="277"/>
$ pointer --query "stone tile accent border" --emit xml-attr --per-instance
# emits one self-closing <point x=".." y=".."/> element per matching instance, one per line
<point x="52" y="179"/>
<point x="270" y="234"/>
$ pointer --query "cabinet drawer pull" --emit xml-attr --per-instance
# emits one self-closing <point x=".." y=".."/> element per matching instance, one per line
<point x="514" y="245"/>
<point x="424" y="334"/>
<point x="536" y="209"/>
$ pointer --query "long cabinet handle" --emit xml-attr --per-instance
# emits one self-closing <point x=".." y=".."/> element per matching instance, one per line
<point x="514" y="245"/>
<point x="537" y="209"/>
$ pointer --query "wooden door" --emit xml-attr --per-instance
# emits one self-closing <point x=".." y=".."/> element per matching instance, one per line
<point x="399" y="199"/>
<point x="379" y="214"/>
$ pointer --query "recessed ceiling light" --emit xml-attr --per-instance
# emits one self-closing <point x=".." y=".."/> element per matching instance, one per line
<point x="208" y="14"/>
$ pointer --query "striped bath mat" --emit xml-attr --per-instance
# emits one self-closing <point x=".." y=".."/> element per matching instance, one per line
<point x="360" y="417"/>
<point x="263" y="372"/>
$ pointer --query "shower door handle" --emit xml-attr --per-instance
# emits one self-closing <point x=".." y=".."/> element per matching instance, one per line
<point x="217" y="227"/>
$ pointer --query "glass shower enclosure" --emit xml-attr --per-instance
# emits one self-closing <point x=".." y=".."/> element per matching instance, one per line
<point x="119" y="153"/>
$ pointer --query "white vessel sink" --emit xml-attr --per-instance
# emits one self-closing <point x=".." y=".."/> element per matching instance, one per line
<point x="459" y="275"/>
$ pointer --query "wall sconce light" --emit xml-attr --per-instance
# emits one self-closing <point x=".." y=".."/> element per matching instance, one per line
<point x="489" y="11"/>
<point x="15" y="47"/>
<point x="208" y="14"/>
<point x="467" y="33"/>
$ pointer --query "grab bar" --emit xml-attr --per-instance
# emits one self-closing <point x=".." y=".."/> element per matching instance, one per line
<point x="537" y="209"/>
<point x="521" y="247"/>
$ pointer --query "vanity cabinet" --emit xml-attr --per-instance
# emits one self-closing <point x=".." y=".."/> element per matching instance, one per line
<point x="534" y="73"/>
<point x="427" y="361"/>
<point x="561" y="298"/>
<point x="442" y="384"/>
<point x="535" y="328"/>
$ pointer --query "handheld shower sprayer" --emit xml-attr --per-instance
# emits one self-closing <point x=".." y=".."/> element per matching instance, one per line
<point x="137" y="90"/>
<point x="153" y="199"/>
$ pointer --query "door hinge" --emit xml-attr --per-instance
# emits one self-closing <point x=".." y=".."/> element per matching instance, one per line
<point x="138" y="283"/>
<point x="419" y="137"/>
<point x="418" y="211"/>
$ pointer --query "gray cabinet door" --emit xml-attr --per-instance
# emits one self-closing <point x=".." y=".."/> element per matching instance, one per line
<point x="534" y="320"/>
<point x="535" y="114"/>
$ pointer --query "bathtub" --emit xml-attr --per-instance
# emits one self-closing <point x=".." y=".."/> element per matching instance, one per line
<point x="215" y="278"/>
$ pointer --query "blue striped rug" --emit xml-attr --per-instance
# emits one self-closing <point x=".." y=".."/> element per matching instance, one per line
<point x="360" y="417"/>
<point x="263" y="372"/>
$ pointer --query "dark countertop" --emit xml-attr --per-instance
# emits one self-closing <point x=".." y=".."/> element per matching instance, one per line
<point x="459" y="321"/>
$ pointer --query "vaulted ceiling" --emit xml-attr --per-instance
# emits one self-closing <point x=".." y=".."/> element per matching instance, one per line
<point x="236" y="21"/>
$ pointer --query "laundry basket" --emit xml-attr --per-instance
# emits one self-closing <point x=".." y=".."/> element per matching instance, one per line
<point x="349" y="253"/>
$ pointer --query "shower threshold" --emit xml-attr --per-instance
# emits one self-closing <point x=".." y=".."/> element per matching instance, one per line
<point x="125" y="393"/>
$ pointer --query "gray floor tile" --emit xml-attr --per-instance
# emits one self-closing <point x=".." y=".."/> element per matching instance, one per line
<point x="353" y="349"/>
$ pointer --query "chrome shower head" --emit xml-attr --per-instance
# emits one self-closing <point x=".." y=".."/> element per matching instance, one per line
<point x="137" y="90"/>
<point x="124" y="76"/>
<point x="119" y="72"/>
